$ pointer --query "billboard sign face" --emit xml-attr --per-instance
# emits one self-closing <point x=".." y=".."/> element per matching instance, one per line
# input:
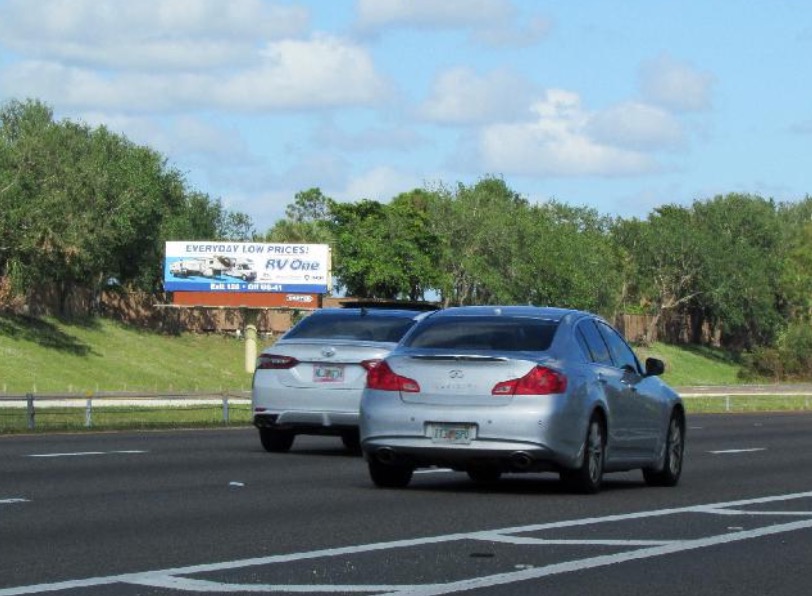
<point x="197" y="265"/>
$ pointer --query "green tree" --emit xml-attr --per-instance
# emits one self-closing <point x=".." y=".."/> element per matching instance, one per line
<point x="796" y="260"/>
<point x="384" y="251"/>
<point x="307" y="220"/>
<point x="82" y="206"/>
<point x="742" y="254"/>
<point x="663" y="258"/>
<point x="479" y="230"/>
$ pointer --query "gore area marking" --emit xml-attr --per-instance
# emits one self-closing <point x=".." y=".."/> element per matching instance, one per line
<point x="85" y="453"/>
<point x="731" y="451"/>
<point x="180" y="579"/>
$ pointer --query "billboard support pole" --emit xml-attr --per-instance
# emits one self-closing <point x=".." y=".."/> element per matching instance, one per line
<point x="250" y="316"/>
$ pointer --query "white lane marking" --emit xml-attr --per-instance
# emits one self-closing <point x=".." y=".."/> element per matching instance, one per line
<point x="433" y="470"/>
<point x="526" y="541"/>
<point x="199" y="586"/>
<point x="86" y="453"/>
<point x="731" y="451"/>
<point x="600" y="561"/>
<point x="167" y="576"/>
<point x="13" y="500"/>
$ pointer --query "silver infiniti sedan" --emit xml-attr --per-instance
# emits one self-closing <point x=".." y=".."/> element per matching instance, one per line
<point x="490" y="390"/>
<point x="310" y="381"/>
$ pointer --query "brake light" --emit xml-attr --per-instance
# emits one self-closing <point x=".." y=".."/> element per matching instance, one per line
<point x="539" y="381"/>
<point x="383" y="378"/>
<point x="273" y="361"/>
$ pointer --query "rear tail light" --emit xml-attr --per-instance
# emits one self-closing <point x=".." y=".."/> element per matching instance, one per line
<point x="370" y="364"/>
<point x="273" y="361"/>
<point x="539" y="381"/>
<point x="383" y="378"/>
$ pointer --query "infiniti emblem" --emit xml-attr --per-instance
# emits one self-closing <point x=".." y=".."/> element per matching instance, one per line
<point x="456" y="374"/>
<point x="328" y="352"/>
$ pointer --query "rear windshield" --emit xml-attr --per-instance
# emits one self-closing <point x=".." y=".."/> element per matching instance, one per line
<point x="352" y="326"/>
<point x="498" y="334"/>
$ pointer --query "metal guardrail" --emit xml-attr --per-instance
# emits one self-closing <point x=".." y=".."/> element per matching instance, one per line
<point x="730" y="399"/>
<point x="35" y="402"/>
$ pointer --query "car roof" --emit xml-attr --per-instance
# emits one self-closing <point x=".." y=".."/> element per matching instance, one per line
<point x="369" y="312"/>
<point x="539" y="312"/>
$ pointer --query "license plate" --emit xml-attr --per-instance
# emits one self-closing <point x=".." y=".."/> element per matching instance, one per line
<point x="328" y="374"/>
<point x="452" y="433"/>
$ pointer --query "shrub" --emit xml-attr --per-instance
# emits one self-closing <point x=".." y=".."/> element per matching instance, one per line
<point x="790" y="358"/>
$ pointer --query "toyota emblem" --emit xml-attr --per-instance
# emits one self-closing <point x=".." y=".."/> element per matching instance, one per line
<point x="328" y="352"/>
<point x="456" y="374"/>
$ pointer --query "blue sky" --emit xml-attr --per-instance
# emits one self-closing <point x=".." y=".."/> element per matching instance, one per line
<point x="620" y="106"/>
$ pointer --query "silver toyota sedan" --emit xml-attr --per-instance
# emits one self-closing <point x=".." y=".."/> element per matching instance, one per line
<point x="489" y="390"/>
<point x="310" y="381"/>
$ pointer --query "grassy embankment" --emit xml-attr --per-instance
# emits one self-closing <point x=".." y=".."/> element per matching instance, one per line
<point x="48" y="356"/>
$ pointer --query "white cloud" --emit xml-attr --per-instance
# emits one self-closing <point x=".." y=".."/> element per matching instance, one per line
<point x="320" y="72"/>
<point x="637" y="126"/>
<point x="381" y="183"/>
<point x="140" y="35"/>
<point x="372" y="139"/>
<point x="460" y="96"/>
<point x="675" y="85"/>
<point x="557" y="144"/>
<point x="493" y="22"/>
<point x="379" y="14"/>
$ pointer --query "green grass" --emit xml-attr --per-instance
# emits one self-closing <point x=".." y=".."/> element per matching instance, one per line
<point x="687" y="366"/>
<point x="747" y="403"/>
<point x="49" y="356"/>
<point x="53" y="356"/>
<point x="15" y="420"/>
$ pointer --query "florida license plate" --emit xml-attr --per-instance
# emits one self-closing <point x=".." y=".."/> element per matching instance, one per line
<point x="452" y="433"/>
<point x="328" y="374"/>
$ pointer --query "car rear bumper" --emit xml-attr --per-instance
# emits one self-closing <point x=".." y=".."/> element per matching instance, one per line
<point x="315" y="423"/>
<point x="507" y="456"/>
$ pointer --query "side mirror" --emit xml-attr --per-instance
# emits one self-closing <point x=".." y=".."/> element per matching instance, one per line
<point x="654" y="367"/>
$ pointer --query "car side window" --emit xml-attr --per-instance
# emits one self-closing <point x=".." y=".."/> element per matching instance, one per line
<point x="597" y="349"/>
<point x="622" y="354"/>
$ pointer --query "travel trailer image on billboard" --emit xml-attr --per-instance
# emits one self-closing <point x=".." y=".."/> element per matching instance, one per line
<point x="196" y="265"/>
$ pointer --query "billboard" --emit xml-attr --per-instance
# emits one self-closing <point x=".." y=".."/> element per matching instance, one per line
<point x="204" y="266"/>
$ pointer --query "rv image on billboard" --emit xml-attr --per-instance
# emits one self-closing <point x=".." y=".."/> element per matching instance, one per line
<point x="246" y="267"/>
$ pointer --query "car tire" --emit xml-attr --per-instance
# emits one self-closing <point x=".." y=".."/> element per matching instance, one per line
<point x="389" y="476"/>
<point x="588" y="476"/>
<point x="674" y="450"/>
<point x="484" y="474"/>
<point x="276" y="441"/>
<point x="352" y="441"/>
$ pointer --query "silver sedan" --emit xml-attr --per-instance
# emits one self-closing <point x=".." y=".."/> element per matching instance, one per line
<point x="310" y="381"/>
<point x="490" y="390"/>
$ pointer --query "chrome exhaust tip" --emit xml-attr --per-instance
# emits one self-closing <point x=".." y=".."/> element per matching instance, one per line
<point x="521" y="460"/>
<point x="385" y="455"/>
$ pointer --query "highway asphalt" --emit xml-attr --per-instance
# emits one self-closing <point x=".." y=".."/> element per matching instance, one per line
<point x="209" y="511"/>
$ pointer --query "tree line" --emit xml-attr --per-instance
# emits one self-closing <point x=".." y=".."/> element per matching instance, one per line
<point x="81" y="206"/>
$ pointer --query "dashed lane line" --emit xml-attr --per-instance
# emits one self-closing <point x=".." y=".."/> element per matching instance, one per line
<point x="176" y="578"/>
<point x="86" y="453"/>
